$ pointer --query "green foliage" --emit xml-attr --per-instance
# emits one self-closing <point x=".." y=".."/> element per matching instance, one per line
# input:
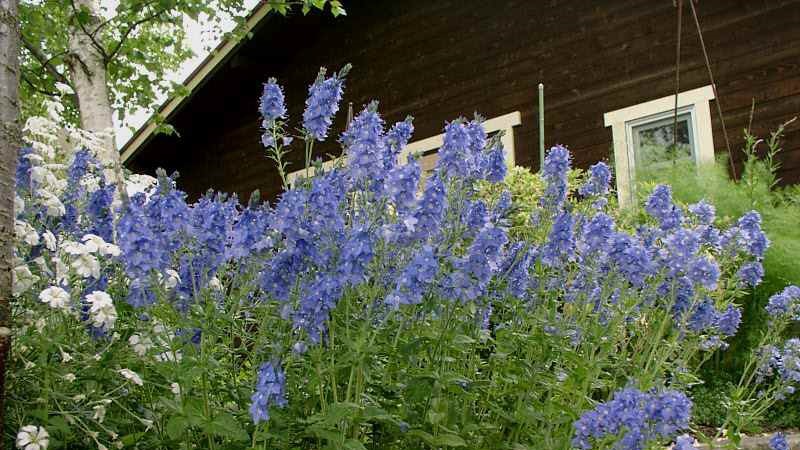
<point x="756" y="189"/>
<point x="141" y="41"/>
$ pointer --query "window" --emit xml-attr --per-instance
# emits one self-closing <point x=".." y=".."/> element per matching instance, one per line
<point x="428" y="148"/>
<point x="644" y="139"/>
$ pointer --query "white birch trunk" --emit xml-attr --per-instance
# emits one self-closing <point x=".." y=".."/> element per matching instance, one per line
<point x="9" y="143"/>
<point x="88" y="75"/>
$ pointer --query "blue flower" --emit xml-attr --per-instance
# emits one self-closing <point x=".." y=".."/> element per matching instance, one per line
<point x="560" y="245"/>
<point x="356" y="254"/>
<point x="415" y="279"/>
<point x="99" y="212"/>
<point x="598" y="182"/>
<point x="660" y="206"/>
<point x="495" y="165"/>
<point x="634" y="419"/>
<point x="396" y="138"/>
<point x="704" y="316"/>
<point x="460" y="155"/>
<point x="475" y="216"/>
<point x="684" y="442"/>
<point x="318" y="299"/>
<point x="401" y="185"/>
<point x="751" y="273"/>
<point x="322" y="103"/>
<point x="704" y="271"/>
<point x="520" y="262"/>
<point x="728" y="322"/>
<point x="704" y="212"/>
<point x="23" y="173"/>
<point x="554" y="173"/>
<point x="778" y="442"/>
<point x="785" y="304"/>
<point x="270" y="390"/>
<point x="597" y="233"/>
<point x="473" y="272"/>
<point x="753" y="237"/>
<point x="272" y="104"/>
<point x="630" y="258"/>
<point x="365" y="145"/>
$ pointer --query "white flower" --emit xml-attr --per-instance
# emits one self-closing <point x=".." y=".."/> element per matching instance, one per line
<point x="99" y="413"/>
<point x="23" y="279"/>
<point x="137" y="183"/>
<point x="42" y="263"/>
<point x="31" y="437"/>
<point x="19" y="205"/>
<point x="86" y="266"/>
<point x="170" y="356"/>
<point x="55" y="297"/>
<point x="43" y="176"/>
<point x="76" y="248"/>
<point x="94" y="243"/>
<point x="172" y="279"/>
<point x="70" y="377"/>
<point x="26" y="233"/>
<point x="65" y="357"/>
<point x="101" y="311"/>
<point x="61" y="270"/>
<point x="50" y="240"/>
<point x="215" y="284"/>
<point x="140" y="344"/>
<point x="132" y="376"/>
<point x="51" y="202"/>
<point x="175" y="388"/>
<point x="90" y="182"/>
<point x="64" y="88"/>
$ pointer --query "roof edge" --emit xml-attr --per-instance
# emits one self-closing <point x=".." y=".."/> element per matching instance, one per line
<point x="192" y="82"/>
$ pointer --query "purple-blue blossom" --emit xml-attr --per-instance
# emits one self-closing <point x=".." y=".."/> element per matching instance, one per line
<point x="270" y="391"/>
<point x="598" y="182"/>
<point x="322" y="103"/>
<point x="785" y="304"/>
<point x="633" y="420"/>
<point x="272" y="104"/>
<point x="554" y="172"/>
<point x="778" y="442"/>
<point x="660" y="206"/>
<point x="751" y="273"/>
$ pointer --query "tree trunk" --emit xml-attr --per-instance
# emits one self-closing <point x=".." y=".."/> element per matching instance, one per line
<point x="87" y="69"/>
<point x="9" y="143"/>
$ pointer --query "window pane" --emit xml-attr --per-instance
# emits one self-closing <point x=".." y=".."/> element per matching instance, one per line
<point x="654" y="142"/>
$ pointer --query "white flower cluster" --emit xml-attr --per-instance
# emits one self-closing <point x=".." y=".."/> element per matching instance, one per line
<point x="101" y="310"/>
<point x="31" y="437"/>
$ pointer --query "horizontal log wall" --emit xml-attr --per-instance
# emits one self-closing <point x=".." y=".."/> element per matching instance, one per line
<point x="441" y="59"/>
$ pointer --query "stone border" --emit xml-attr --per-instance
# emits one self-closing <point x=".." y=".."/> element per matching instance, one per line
<point x="756" y="443"/>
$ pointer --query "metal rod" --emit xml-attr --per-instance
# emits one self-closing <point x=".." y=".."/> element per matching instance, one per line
<point x="541" y="126"/>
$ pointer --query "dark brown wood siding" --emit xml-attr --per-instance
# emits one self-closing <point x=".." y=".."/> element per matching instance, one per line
<point x="441" y="59"/>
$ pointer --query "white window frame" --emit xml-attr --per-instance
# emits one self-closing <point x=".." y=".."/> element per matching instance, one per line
<point x="623" y="121"/>
<point x="505" y="123"/>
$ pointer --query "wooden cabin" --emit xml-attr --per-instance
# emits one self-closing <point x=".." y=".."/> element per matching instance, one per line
<point x="608" y="67"/>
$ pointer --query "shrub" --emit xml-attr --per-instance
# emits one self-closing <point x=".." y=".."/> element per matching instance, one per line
<point x="367" y="308"/>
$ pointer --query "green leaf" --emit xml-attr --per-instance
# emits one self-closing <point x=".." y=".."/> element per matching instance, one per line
<point x="463" y="340"/>
<point x="353" y="444"/>
<point x="225" y="425"/>
<point x="449" y="440"/>
<point x="176" y="426"/>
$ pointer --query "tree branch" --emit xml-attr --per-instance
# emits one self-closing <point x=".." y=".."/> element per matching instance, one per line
<point x="44" y="61"/>
<point x="95" y="44"/>
<point x="111" y="19"/>
<point x="130" y="29"/>
<point x="37" y="88"/>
